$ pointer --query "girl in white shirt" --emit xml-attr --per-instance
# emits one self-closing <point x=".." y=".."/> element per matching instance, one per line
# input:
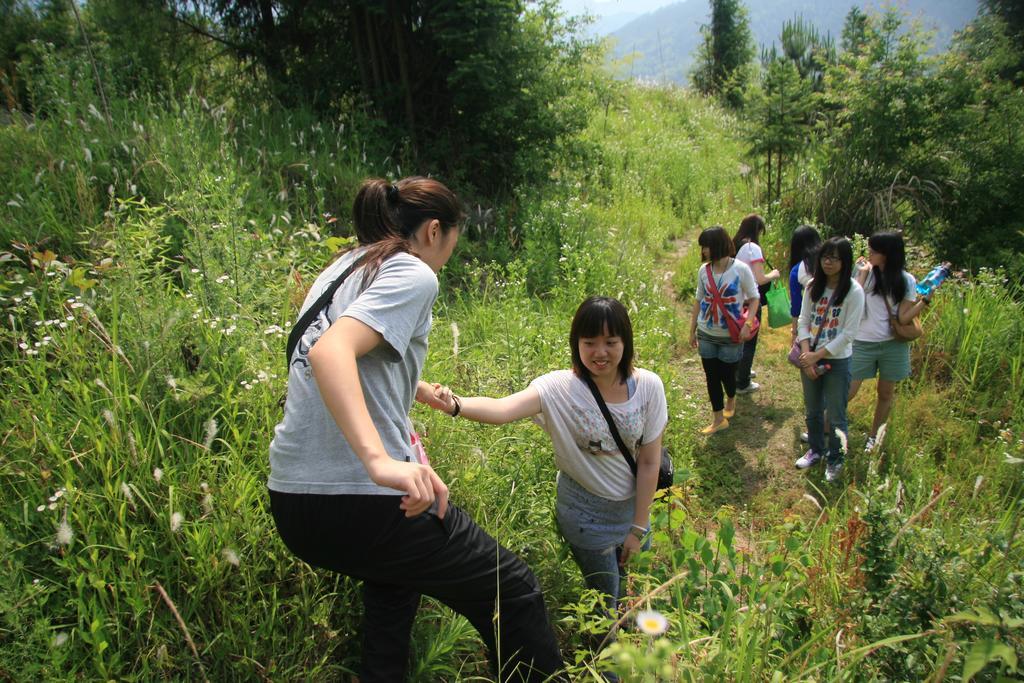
<point x="830" y="316"/>
<point x="888" y="290"/>
<point x="602" y="508"/>
<point x="747" y="243"/>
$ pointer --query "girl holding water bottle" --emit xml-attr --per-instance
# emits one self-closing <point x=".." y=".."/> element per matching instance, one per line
<point x="888" y="290"/>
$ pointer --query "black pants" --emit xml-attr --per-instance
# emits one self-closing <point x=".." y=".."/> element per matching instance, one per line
<point x="452" y="560"/>
<point x="747" y="361"/>
<point x="719" y="374"/>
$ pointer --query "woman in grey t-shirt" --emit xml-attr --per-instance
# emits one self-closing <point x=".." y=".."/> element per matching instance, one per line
<point x="346" y="489"/>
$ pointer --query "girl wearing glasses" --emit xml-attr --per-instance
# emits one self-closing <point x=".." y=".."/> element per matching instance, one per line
<point x="830" y="316"/>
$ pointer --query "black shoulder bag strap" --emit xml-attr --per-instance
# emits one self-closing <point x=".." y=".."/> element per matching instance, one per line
<point x="313" y="311"/>
<point x="611" y="423"/>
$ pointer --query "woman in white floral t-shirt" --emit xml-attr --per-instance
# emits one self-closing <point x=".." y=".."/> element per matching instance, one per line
<point x="602" y="508"/>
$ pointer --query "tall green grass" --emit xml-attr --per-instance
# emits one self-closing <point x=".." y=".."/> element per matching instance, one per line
<point x="142" y="367"/>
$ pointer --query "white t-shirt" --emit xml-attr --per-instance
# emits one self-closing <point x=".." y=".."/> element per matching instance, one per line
<point x="877" y="310"/>
<point x="735" y="285"/>
<point x="750" y="253"/>
<point x="840" y="321"/>
<point x="583" y="444"/>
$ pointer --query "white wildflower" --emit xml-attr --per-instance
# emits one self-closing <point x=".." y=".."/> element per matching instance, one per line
<point x="40" y="508"/>
<point x="64" y="533"/>
<point x="158" y="474"/>
<point x="171" y="382"/>
<point x="230" y="556"/>
<point x="211" y="433"/>
<point x="60" y="639"/>
<point x="176" y="519"/>
<point x="651" y="622"/>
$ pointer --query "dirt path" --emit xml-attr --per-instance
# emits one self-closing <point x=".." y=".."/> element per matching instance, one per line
<point x="749" y="466"/>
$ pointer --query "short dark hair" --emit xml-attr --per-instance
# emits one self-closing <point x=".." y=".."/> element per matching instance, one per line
<point x="716" y="239"/>
<point x="593" y="317"/>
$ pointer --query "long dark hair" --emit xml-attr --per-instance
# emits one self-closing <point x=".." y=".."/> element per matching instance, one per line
<point x="385" y="215"/>
<point x="716" y="239"/>
<point x="890" y="281"/>
<point x="836" y="247"/>
<point x="592" y="318"/>
<point x="802" y="244"/>
<point x="750" y="230"/>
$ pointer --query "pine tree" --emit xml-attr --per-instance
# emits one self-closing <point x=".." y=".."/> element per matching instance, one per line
<point x="725" y="55"/>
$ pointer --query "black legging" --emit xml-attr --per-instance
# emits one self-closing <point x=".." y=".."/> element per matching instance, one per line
<point x="719" y="374"/>
<point x="398" y="558"/>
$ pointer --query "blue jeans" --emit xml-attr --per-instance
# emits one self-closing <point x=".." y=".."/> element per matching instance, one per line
<point x="594" y="527"/>
<point x="827" y="394"/>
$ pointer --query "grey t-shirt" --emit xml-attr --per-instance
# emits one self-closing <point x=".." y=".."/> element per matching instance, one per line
<point x="309" y="454"/>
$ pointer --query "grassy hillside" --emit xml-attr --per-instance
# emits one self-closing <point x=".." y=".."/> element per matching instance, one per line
<point x="142" y="369"/>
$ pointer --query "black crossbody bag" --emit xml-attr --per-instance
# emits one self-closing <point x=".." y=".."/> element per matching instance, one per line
<point x="666" y="471"/>
<point x="313" y="311"/>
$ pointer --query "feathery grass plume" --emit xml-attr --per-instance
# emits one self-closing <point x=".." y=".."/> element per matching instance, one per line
<point x="207" y="503"/>
<point x="813" y="500"/>
<point x="176" y="519"/>
<point x="977" y="484"/>
<point x="158" y="474"/>
<point x="455" y="340"/>
<point x="880" y="437"/>
<point x="841" y="435"/>
<point x="652" y="622"/>
<point x="171" y="382"/>
<point x="230" y="556"/>
<point x="64" y="533"/>
<point x="126" y="491"/>
<point x="211" y="433"/>
<point x="132" y="448"/>
<point x="108" y="417"/>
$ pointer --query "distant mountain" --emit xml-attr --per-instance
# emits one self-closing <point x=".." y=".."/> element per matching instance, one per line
<point x="666" y="39"/>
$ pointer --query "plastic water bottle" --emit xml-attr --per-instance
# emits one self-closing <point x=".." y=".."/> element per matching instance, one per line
<point x="933" y="279"/>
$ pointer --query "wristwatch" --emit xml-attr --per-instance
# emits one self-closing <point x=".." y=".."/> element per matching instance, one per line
<point x="638" y="531"/>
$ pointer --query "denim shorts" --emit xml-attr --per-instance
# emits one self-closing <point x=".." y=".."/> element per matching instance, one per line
<point x="889" y="359"/>
<point x="722" y="348"/>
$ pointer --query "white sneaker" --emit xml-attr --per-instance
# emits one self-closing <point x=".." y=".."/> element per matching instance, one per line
<point x="749" y="389"/>
<point x="807" y="459"/>
<point x="833" y="472"/>
<point x="869" y="445"/>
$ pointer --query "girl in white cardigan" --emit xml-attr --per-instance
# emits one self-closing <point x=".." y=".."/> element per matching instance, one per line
<point x="830" y="316"/>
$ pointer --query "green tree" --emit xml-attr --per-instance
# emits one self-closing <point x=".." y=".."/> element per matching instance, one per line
<point x="879" y="170"/>
<point x="980" y="134"/>
<point x="481" y="91"/>
<point x="725" y="55"/>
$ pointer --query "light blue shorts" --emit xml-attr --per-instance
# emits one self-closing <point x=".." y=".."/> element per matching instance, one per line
<point x="722" y="348"/>
<point x="889" y="360"/>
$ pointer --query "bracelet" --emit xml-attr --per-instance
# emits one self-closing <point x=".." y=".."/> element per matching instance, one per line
<point x="458" y="406"/>
<point x="636" y="527"/>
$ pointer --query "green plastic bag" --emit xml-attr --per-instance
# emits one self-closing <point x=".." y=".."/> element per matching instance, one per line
<point x="778" y="305"/>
